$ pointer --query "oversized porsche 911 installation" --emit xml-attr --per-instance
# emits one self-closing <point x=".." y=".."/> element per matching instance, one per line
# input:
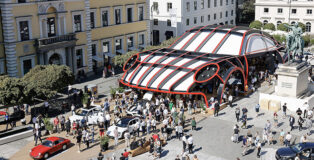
<point x="204" y="61"/>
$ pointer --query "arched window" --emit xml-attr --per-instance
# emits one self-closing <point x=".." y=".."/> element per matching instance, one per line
<point x="265" y="22"/>
<point x="293" y="22"/>
<point x="278" y="23"/>
<point x="308" y="27"/>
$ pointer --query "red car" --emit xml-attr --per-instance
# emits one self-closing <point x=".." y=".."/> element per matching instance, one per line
<point x="50" y="146"/>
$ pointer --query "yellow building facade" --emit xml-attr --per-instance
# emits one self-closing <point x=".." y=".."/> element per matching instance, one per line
<point x="82" y="34"/>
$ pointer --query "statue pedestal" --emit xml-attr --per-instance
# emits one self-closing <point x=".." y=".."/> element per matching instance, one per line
<point x="292" y="87"/>
<point x="292" y="79"/>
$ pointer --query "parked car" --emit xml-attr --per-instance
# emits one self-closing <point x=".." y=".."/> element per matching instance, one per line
<point x="91" y="114"/>
<point x="50" y="146"/>
<point x="15" y="116"/>
<point x="305" y="150"/>
<point x="124" y="124"/>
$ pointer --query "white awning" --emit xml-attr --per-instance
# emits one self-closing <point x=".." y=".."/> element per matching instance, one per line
<point x="148" y="96"/>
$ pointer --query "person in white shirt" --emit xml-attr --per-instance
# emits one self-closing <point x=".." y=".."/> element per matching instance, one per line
<point x="154" y="124"/>
<point x="157" y="102"/>
<point x="137" y="128"/>
<point x="116" y="134"/>
<point x="148" y="124"/>
<point x="230" y="100"/>
<point x="310" y="113"/>
<point x="180" y="131"/>
<point x="87" y="139"/>
<point x="190" y="143"/>
<point x="73" y="109"/>
<point x="288" y="139"/>
<point x="107" y="120"/>
<point x="165" y="113"/>
<point x="127" y="137"/>
<point x="184" y="141"/>
<point x="165" y="122"/>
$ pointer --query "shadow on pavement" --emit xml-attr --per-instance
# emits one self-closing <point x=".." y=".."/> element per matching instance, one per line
<point x="164" y="153"/>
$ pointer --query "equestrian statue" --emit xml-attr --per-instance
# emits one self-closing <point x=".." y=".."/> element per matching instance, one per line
<point x="294" y="42"/>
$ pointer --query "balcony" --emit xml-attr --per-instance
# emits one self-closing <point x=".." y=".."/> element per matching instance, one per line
<point x="46" y="44"/>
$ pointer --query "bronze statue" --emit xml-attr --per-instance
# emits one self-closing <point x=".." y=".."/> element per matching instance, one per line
<point x="294" y="41"/>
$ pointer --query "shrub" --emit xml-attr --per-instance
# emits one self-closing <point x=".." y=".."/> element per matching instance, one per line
<point x="282" y="27"/>
<point x="277" y="37"/>
<point x="269" y="26"/>
<point x="302" y="26"/>
<point x="48" y="124"/>
<point x="312" y="42"/>
<point x="256" y="24"/>
<point x="307" y="40"/>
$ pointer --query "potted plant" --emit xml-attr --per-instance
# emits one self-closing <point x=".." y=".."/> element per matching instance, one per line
<point x="112" y="92"/>
<point x="85" y="99"/>
<point x="104" y="143"/>
<point x="48" y="125"/>
<point x="120" y="89"/>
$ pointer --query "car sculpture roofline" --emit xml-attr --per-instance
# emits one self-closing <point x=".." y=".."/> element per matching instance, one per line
<point x="198" y="56"/>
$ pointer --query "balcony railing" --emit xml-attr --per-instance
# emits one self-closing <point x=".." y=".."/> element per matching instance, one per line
<point x="57" y="39"/>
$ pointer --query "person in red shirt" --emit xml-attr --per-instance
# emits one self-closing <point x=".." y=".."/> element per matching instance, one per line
<point x="56" y="123"/>
<point x="126" y="154"/>
<point x="156" y="137"/>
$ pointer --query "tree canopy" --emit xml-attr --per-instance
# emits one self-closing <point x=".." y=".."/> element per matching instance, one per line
<point x="256" y="24"/>
<point x="282" y="27"/>
<point x="269" y="26"/>
<point x="248" y="11"/>
<point x="11" y="91"/>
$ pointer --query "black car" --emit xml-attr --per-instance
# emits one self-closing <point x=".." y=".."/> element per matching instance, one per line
<point x="305" y="150"/>
<point x="15" y="116"/>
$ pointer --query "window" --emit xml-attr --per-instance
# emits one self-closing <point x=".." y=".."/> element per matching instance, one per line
<point x="265" y="22"/>
<point x="232" y="1"/>
<point x="231" y="21"/>
<point x="130" y="42"/>
<point x="105" y="47"/>
<point x="24" y="30"/>
<point x="1" y="66"/>
<point x="130" y="14"/>
<point x="293" y="22"/>
<point x="279" y="10"/>
<point x="156" y="22"/>
<point x="92" y="19"/>
<point x="220" y="15"/>
<point x="294" y="11"/>
<point x="155" y="6"/>
<point x="195" y="5"/>
<point x="202" y="4"/>
<point x="27" y="65"/>
<point x="227" y="2"/>
<point x="215" y="3"/>
<point x="51" y="27"/>
<point x="202" y="19"/>
<point x="169" y="6"/>
<point x="308" y="27"/>
<point x="308" y="11"/>
<point x="208" y="18"/>
<point x="117" y="13"/>
<point x="215" y="16"/>
<point x="226" y="13"/>
<point x="266" y="10"/>
<point x="278" y="23"/>
<point x="141" y="13"/>
<point x="231" y="12"/>
<point x="168" y="22"/>
<point x="195" y="20"/>
<point x="226" y="22"/>
<point x="141" y="39"/>
<point x="208" y="3"/>
<point x="118" y="44"/>
<point x="220" y="2"/>
<point x="21" y="1"/>
<point x="79" y="58"/>
<point x="187" y="21"/>
<point x="188" y="6"/>
<point x="105" y="18"/>
<point x="77" y="23"/>
<point x="94" y="50"/>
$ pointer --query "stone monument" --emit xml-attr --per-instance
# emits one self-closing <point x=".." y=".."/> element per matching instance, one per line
<point x="293" y="86"/>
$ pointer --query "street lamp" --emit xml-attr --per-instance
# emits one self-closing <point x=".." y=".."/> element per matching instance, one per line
<point x="152" y="21"/>
<point x="289" y="1"/>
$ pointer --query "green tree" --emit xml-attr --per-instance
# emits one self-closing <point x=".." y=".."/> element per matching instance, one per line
<point x="302" y="25"/>
<point x="269" y="26"/>
<point x="282" y="27"/>
<point x="248" y="11"/>
<point x="307" y="40"/>
<point x="43" y="81"/>
<point x="256" y="24"/>
<point x="11" y="91"/>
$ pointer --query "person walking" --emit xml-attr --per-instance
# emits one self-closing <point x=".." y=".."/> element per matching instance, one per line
<point x="236" y="134"/>
<point x="237" y="114"/>
<point x="126" y="154"/>
<point x="275" y="119"/>
<point x="244" y="120"/>
<point x="127" y="137"/>
<point x="87" y="139"/>
<point x="216" y="107"/>
<point x="230" y="100"/>
<point x="68" y="127"/>
<point x="154" y="124"/>
<point x="291" y="122"/>
<point x="180" y="130"/>
<point x="299" y="112"/>
<point x="282" y="137"/>
<point x="284" y="110"/>
<point x="107" y="120"/>
<point x="116" y="136"/>
<point x="73" y="109"/>
<point x="300" y="123"/>
<point x="288" y="139"/>
<point x="257" y="107"/>
<point x="193" y="124"/>
<point x="245" y="145"/>
<point x="308" y="126"/>
<point x="62" y="121"/>
<point x="184" y="141"/>
<point x="79" y="139"/>
<point x="190" y="143"/>
<point x="148" y="124"/>
<point x="37" y="133"/>
<point x="259" y="147"/>
<point x="56" y="124"/>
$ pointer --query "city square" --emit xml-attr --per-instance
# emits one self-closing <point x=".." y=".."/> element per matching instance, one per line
<point x="149" y="79"/>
